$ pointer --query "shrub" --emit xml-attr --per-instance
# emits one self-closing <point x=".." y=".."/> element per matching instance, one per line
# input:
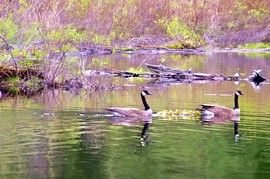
<point x="8" y="28"/>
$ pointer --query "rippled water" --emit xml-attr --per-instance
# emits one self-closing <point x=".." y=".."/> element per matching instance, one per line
<point x="64" y="135"/>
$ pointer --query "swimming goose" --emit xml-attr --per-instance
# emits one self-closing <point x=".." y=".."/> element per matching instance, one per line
<point x="216" y="110"/>
<point x="133" y="112"/>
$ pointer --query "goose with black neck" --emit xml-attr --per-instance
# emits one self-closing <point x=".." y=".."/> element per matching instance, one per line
<point x="133" y="112"/>
<point x="217" y="110"/>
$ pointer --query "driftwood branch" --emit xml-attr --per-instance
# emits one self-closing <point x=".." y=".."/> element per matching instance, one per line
<point x="168" y="74"/>
<point x="164" y="74"/>
<point x="187" y="74"/>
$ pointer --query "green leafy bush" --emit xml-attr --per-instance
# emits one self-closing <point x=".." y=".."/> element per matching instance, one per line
<point x="65" y="35"/>
<point x="8" y="28"/>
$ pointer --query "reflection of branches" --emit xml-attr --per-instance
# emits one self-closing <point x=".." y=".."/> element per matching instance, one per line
<point x="147" y="58"/>
<point x="50" y="97"/>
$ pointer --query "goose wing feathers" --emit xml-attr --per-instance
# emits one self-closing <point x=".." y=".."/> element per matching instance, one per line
<point x="132" y="112"/>
<point x="217" y="110"/>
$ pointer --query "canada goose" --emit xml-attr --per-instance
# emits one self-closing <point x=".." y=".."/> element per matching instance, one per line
<point x="216" y="110"/>
<point x="133" y="112"/>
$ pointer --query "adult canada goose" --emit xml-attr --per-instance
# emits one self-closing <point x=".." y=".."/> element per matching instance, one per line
<point x="216" y="110"/>
<point x="133" y="112"/>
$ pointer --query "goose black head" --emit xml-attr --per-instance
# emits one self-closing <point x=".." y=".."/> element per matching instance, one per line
<point x="238" y="93"/>
<point x="145" y="92"/>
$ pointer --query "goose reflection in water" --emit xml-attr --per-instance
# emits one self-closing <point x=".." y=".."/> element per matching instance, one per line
<point x="133" y="121"/>
<point x="208" y="120"/>
<point x="236" y="133"/>
<point x="256" y="78"/>
<point x="256" y="85"/>
<point x="219" y="120"/>
<point x="145" y="140"/>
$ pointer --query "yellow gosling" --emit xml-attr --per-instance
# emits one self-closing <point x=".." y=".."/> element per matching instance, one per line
<point x="177" y="112"/>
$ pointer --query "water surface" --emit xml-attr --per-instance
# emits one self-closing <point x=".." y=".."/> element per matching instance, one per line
<point x="64" y="135"/>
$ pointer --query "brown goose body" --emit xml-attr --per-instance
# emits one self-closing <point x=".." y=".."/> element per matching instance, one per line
<point x="130" y="112"/>
<point x="133" y="112"/>
<point x="217" y="110"/>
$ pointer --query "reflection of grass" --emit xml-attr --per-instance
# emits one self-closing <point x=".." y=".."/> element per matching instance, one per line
<point x="137" y="80"/>
<point x="137" y="70"/>
<point x="194" y="61"/>
<point x="264" y="55"/>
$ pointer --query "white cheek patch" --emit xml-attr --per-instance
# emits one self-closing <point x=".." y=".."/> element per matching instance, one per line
<point x="236" y="75"/>
<point x="237" y="93"/>
<point x="143" y="93"/>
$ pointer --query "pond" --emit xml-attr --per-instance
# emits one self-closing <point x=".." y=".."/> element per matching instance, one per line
<point x="59" y="134"/>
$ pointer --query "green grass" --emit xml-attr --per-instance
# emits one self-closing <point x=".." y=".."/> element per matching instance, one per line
<point x="255" y="45"/>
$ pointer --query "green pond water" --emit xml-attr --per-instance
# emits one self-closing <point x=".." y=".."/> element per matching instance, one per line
<point x="60" y="134"/>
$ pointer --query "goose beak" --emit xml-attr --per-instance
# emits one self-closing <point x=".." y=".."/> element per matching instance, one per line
<point x="145" y="92"/>
<point x="239" y="93"/>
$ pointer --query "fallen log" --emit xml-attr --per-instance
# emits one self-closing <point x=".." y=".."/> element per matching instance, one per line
<point x="163" y="72"/>
<point x="178" y="74"/>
